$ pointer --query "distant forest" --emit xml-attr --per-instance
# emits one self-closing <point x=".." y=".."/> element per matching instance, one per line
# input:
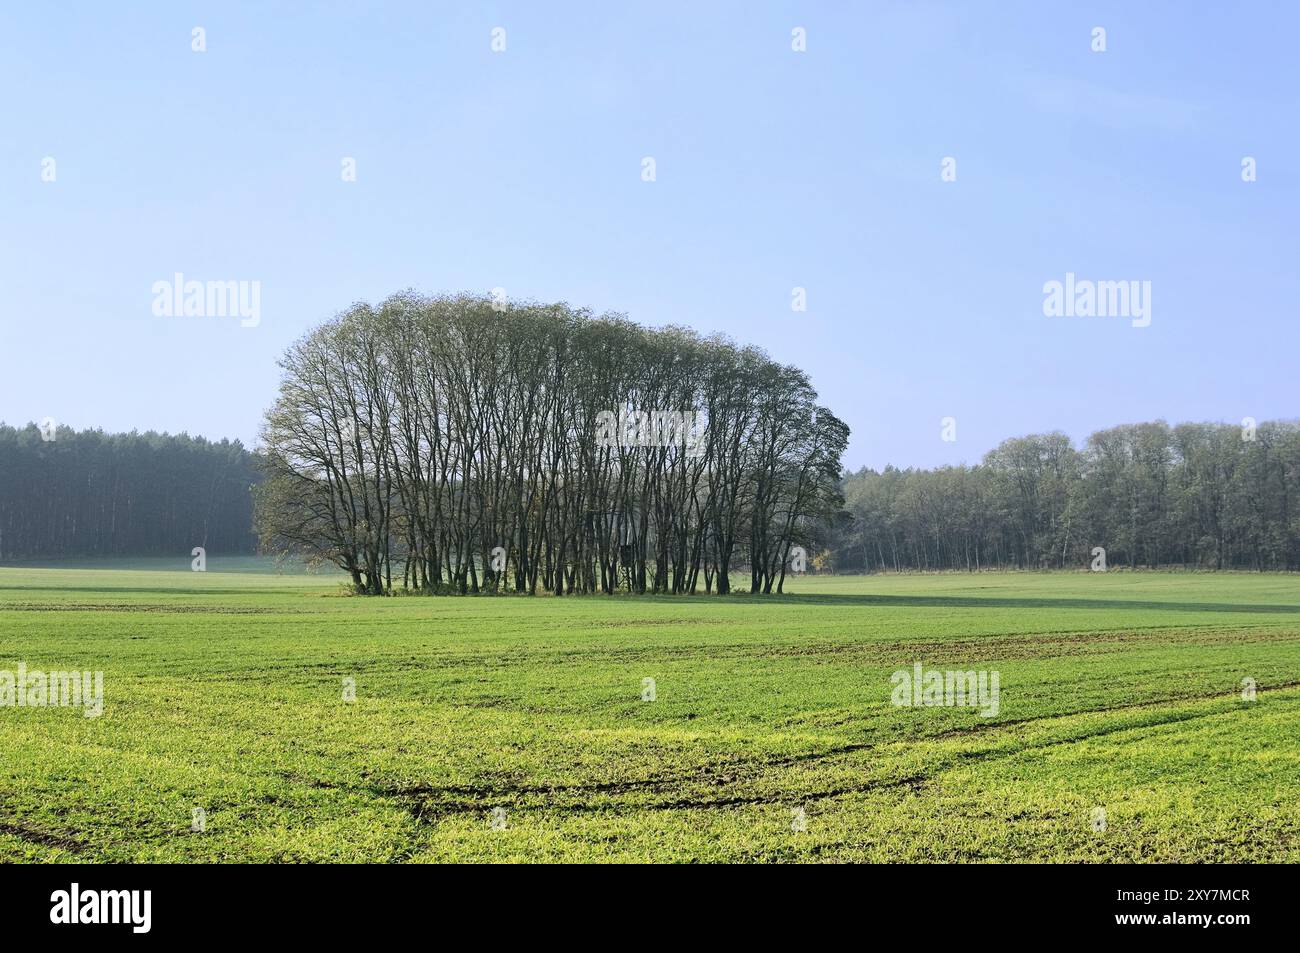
<point x="1206" y="496"/>
<point x="90" y="493"/>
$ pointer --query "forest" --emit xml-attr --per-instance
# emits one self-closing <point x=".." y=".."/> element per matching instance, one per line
<point x="463" y="444"/>
<point x="1194" y="495"/>
<point x="66" y="493"/>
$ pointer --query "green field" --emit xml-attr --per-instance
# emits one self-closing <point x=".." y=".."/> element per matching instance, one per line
<point x="224" y="691"/>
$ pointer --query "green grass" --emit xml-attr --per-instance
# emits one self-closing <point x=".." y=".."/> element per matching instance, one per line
<point x="224" y="691"/>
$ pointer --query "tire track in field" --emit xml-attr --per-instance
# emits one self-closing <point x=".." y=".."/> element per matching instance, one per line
<point x="429" y="803"/>
<point x="43" y="838"/>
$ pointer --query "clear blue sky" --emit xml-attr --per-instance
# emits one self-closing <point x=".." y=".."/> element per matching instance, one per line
<point x="775" y="169"/>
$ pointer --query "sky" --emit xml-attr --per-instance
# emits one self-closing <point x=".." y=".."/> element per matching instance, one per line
<point x="774" y="169"/>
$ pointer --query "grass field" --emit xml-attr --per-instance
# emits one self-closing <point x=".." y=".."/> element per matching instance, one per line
<point x="224" y="691"/>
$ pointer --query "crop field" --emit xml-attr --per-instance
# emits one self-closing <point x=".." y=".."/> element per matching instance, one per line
<point x="307" y="725"/>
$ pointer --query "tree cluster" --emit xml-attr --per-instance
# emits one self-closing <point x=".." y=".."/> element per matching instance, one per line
<point x="457" y="443"/>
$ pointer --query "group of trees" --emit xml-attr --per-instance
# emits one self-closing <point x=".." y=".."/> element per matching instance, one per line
<point x="462" y="444"/>
<point x="68" y="493"/>
<point x="1212" y="496"/>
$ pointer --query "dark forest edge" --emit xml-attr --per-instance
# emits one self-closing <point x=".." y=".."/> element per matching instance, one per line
<point x="67" y="493"/>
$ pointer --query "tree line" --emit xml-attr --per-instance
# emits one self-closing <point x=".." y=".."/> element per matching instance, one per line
<point x="441" y="444"/>
<point x="465" y="444"/>
<point x="77" y="493"/>
<point x="1203" y="495"/>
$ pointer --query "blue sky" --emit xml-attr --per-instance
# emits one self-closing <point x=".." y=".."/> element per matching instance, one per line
<point x="775" y="169"/>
